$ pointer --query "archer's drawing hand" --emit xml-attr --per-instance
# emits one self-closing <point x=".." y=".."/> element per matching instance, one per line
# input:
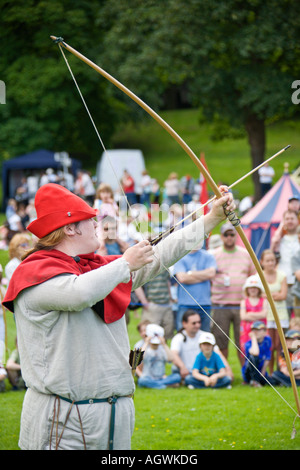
<point x="217" y="214"/>
<point x="225" y="202"/>
<point x="139" y="255"/>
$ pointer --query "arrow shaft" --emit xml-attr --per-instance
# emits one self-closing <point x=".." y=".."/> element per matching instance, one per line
<point x="213" y="186"/>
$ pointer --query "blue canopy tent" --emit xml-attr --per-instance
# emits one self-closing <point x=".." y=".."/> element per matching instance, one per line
<point x="29" y="164"/>
<point x="260" y="222"/>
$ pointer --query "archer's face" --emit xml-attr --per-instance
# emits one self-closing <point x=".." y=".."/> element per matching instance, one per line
<point x="87" y="231"/>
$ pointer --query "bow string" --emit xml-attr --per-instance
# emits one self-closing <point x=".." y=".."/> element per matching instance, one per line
<point x="232" y="217"/>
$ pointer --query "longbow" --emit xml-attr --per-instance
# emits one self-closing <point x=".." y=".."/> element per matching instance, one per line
<point x="231" y="216"/>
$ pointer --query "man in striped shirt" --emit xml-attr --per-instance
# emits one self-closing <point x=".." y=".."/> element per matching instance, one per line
<point x="158" y="307"/>
<point x="234" y="265"/>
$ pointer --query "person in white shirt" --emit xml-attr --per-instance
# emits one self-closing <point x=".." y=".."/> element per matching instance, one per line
<point x="285" y="244"/>
<point x="185" y="346"/>
<point x="266" y="175"/>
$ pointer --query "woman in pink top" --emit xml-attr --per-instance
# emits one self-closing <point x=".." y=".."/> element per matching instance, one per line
<point x="252" y="308"/>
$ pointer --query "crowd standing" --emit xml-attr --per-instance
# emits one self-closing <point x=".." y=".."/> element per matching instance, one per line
<point x="188" y="311"/>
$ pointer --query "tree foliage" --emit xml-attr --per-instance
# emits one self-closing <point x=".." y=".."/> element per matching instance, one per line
<point x="43" y="108"/>
<point x="236" y="59"/>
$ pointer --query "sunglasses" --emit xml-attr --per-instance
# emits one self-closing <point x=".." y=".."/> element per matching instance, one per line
<point x="228" y="235"/>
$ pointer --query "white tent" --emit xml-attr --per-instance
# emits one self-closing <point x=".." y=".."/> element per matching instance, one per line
<point x="112" y="164"/>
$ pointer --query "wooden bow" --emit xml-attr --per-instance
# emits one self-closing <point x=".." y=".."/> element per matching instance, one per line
<point x="231" y="216"/>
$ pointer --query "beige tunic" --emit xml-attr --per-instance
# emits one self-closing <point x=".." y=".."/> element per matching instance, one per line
<point x="66" y="349"/>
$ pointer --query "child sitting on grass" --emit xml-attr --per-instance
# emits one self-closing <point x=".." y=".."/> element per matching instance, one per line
<point x="152" y="372"/>
<point x="209" y="369"/>
<point x="258" y="353"/>
<point x="282" y="376"/>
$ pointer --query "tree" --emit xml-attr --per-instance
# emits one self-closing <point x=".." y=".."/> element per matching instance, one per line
<point x="43" y="109"/>
<point x="237" y="59"/>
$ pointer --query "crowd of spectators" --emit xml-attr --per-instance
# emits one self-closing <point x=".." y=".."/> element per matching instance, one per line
<point x="187" y="313"/>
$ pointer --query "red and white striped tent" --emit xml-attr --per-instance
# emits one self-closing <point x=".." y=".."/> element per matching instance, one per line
<point x="260" y="222"/>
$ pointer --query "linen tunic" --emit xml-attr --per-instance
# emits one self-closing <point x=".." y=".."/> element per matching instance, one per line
<point x="66" y="349"/>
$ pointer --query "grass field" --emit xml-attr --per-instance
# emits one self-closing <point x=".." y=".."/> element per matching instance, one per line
<point x="227" y="160"/>
<point x="242" y="418"/>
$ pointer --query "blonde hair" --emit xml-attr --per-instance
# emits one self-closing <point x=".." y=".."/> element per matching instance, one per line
<point x="267" y="252"/>
<point x="104" y="187"/>
<point x="14" y="245"/>
<point x="295" y="323"/>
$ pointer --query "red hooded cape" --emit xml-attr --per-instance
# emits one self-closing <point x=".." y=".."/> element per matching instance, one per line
<point x="43" y="265"/>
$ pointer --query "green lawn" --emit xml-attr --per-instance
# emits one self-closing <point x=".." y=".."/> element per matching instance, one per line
<point x="227" y="160"/>
<point x="242" y="418"/>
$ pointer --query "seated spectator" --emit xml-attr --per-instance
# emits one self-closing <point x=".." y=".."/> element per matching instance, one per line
<point x="18" y="246"/>
<point x="5" y="236"/>
<point x="30" y="211"/>
<point x="185" y="346"/>
<point x="282" y="376"/>
<point x="22" y="192"/>
<point x="209" y="369"/>
<point x="105" y="203"/>
<point x="294" y="323"/>
<point x="13" y="218"/>
<point x="253" y="308"/>
<point x="258" y="354"/>
<point x="24" y="216"/>
<point x="13" y="368"/>
<point x="11" y="208"/>
<point x="111" y="244"/>
<point x="152" y="371"/>
<point x="142" y="331"/>
<point x="127" y="230"/>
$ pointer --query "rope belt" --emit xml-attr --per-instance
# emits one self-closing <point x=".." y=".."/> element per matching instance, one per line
<point x="111" y="400"/>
